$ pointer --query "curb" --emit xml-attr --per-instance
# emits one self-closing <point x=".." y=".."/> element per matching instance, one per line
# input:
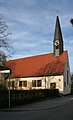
<point x="20" y="110"/>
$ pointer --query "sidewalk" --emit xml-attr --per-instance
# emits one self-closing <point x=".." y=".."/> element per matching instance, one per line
<point x="43" y="105"/>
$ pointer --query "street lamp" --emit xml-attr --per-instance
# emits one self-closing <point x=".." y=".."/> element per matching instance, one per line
<point x="7" y="71"/>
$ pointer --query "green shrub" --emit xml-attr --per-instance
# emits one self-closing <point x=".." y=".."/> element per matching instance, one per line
<point x="3" y="96"/>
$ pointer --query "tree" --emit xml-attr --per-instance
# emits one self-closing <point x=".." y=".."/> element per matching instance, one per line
<point x="3" y="34"/>
<point x="6" y="49"/>
<point x="4" y="38"/>
<point x="71" y="21"/>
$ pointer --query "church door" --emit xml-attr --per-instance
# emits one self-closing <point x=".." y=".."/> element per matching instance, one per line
<point x="52" y="85"/>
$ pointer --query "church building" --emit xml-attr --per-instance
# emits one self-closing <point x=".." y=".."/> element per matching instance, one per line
<point x="46" y="71"/>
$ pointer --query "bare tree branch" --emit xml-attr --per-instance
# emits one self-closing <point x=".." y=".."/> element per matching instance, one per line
<point x="4" y="37"/>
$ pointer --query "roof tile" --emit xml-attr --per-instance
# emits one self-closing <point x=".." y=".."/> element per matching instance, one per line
<point x="46" y="64"/>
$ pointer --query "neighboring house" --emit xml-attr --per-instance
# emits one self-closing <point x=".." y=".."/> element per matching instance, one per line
<point x="46" y="71"/>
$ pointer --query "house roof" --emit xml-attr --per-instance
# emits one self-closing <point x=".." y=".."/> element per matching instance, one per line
<point x="46" y="64"/>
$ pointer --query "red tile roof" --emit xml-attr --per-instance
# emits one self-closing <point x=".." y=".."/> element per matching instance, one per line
<point x="46" y="64"/>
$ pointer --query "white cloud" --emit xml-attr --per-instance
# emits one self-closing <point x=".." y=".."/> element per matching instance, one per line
<point x="32" y="24"/>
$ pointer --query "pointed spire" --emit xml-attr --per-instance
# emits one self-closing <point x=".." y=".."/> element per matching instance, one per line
<point x="58" y="40"/>
<point x="58" y="33"/>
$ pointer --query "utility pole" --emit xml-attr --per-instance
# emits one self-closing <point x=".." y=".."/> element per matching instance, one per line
<point x="9" y="90"/>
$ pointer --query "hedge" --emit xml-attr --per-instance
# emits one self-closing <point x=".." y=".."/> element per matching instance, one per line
<point x="3" y="97"/>
<point x="21" y="97"/>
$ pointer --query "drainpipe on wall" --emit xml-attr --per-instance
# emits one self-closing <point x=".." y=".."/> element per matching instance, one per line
<point x="45" y="82"/>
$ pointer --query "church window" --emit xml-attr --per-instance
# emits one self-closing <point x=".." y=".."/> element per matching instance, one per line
<point x="20" y="83"/>
<point x="12" y="84"/>
<point x="64" y="84"/>
<point x="39" y="83"/>
<point x="24" y="83"/>
<point x="33" y="83"/>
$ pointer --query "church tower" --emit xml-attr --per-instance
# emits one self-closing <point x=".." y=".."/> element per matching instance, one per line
<point x="58" y="40"/>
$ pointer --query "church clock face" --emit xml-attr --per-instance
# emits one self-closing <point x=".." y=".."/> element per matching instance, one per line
<point x="56" y="43"/>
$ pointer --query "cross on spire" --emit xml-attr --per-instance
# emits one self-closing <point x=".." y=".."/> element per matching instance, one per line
<point x="57" y="12"/>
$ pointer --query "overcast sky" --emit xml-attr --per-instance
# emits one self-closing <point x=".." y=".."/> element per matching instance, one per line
<point x="32" y="24"/>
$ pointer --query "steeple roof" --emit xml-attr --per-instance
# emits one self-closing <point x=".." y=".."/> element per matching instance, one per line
<point x="58" y="33"/>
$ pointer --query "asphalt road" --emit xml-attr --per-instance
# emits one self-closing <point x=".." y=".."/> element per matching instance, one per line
<point x="61" y="113"/>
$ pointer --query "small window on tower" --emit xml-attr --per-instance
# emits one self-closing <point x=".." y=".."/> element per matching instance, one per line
<point x="57" y="47"/>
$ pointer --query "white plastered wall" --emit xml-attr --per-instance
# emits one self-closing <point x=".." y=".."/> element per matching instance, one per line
<point x="67" y="86"/>
<point x="46" y="81"/>
<point x="58" y="80"/>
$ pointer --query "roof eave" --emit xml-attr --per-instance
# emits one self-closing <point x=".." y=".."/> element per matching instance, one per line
<point x="37" y="75"/>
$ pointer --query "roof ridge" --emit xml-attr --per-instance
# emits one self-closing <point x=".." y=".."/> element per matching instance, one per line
<point x="30" y="56"/>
